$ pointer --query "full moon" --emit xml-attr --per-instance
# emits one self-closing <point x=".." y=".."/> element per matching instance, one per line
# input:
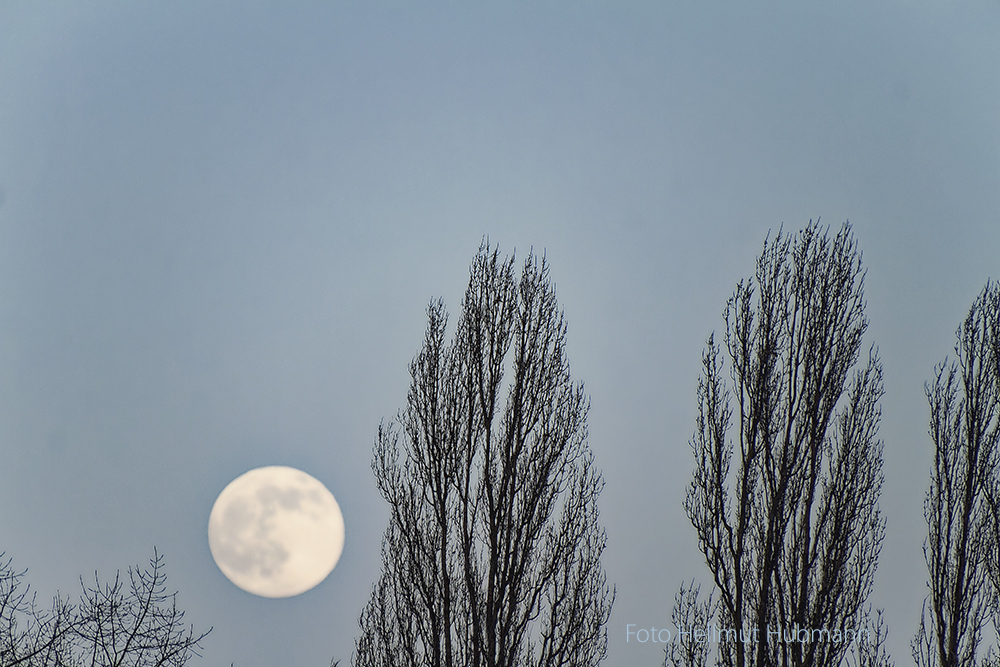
<point x="276" y="531"/>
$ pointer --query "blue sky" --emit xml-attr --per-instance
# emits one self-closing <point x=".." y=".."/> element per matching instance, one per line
<point x="221" y="223"/>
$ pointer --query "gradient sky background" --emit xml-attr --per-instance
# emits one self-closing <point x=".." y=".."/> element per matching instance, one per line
<point x="221" y="223"/>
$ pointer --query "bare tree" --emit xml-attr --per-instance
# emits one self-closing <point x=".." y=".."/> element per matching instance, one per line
<point x="960" y="510"/>
<point x="492" y="553"/>
<point x="786" y="508"/>
<point x="29" y="635"/>
<point x="137" y="626"/>
<point x="690" y="613"/>
<point x="114" y="625"/>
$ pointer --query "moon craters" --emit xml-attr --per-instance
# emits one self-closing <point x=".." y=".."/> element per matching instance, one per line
<point x="276" y="531"/>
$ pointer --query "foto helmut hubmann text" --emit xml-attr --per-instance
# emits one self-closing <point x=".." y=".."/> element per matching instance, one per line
<point x="713" y="633"/>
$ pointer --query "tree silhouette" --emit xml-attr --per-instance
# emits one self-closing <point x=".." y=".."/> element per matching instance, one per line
<point x="960" y="509"/>
<point x="114" y="625"/>
<point x="786" y="508"/>
<point x="492" y="553"/>
<point x="29" y="635"/>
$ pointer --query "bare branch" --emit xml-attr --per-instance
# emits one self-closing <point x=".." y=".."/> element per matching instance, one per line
<point x="113" y="626"/>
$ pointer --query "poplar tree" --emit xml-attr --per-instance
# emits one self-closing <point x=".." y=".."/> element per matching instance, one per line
<point x="492" y="556"/>
<point x="961" y="508"/>
<point x="788" y="465"/>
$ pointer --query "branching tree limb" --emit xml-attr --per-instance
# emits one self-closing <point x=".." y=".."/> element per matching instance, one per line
<point x="113" y="626"/>
<point x="31" y="636"/>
